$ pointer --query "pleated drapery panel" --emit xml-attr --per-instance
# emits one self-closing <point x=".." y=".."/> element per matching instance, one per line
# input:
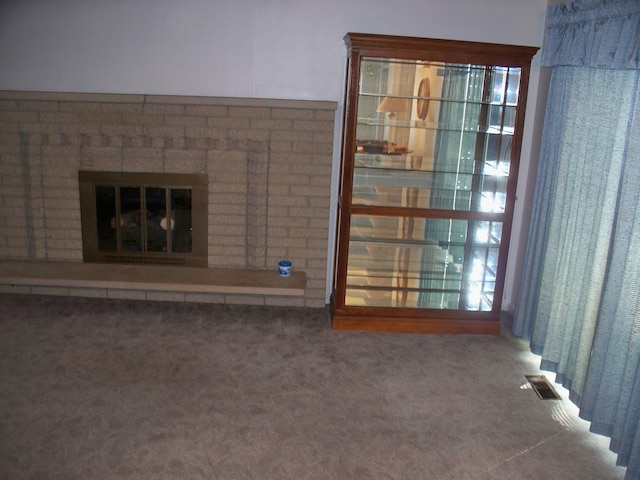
<point x="579" y="300"/>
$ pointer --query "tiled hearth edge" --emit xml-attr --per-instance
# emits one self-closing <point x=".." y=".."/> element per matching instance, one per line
<point x="158" y="283"/>
<point x="269" y="167"/>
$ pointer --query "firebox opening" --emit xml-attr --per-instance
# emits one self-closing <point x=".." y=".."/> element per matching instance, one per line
<point x="144" y="218"/>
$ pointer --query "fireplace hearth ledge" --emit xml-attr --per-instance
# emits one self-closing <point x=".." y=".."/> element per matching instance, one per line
<point x="31" y="273"/>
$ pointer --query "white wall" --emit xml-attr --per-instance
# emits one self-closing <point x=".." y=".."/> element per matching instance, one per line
<point x="242" y="48"/>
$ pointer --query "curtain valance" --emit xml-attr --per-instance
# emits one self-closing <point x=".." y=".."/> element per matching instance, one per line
<point x="593" y="33"/>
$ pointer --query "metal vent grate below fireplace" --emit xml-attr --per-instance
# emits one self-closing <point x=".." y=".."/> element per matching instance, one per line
<point x="144" y="260"/>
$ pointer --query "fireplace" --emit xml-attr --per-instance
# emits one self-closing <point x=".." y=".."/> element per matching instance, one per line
<point x="269" y="169"/>
<point x="144" y="218"/>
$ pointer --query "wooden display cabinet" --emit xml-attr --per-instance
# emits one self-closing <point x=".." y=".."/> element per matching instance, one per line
<point x="431" y="144"/>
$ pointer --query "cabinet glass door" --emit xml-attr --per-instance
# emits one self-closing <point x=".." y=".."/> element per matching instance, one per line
<point x="430" y="180"/>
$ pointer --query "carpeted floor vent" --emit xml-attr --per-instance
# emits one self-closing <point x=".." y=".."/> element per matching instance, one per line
<point x="542" y="387"/>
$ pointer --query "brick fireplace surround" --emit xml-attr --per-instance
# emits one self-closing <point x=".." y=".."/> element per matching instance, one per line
<point x="268" y="162"/>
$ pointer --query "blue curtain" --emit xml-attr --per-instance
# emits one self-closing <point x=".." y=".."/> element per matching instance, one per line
<point x="579" y="300"/>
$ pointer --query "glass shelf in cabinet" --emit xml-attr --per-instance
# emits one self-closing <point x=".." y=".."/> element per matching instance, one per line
<point x="437" y="126"/>
<point x="493" y="102"/>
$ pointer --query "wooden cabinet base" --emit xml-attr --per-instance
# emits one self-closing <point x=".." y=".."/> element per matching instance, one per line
<point x="415" y="325"/>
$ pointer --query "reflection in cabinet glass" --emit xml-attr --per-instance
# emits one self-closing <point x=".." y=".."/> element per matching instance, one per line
<point x="431" y="142"/>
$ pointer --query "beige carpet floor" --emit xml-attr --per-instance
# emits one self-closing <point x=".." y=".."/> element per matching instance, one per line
<point x="117" y="389"/>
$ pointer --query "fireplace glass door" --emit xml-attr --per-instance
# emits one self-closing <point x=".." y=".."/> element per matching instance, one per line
<point x="142" y="218"/>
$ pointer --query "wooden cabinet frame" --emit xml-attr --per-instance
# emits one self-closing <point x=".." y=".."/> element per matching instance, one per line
<point x="399" y="317"/>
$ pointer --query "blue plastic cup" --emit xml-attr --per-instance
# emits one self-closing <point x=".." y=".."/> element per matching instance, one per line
<point x="284" y="268"/>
